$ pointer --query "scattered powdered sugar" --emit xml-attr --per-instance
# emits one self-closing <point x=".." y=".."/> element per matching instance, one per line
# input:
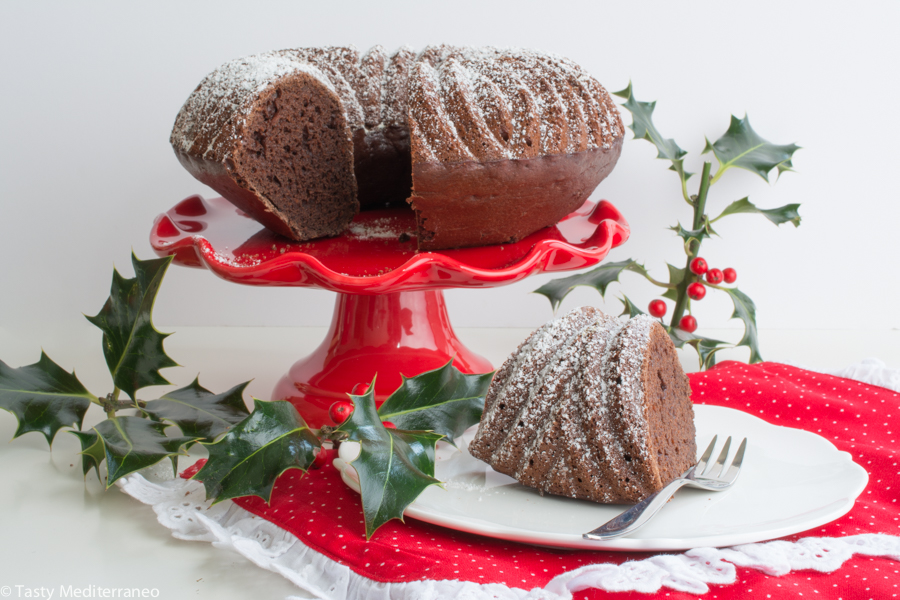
<point x="457" y="484"/>
<point x="378" y="229"/>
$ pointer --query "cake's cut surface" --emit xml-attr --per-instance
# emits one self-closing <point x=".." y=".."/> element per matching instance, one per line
<point x="486" y="145"/>
<point x="591" y="407"/>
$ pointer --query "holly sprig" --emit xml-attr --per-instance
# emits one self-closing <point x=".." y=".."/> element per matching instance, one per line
<point x="248" y="451"/>
<point x="396" y="460"/>
<point x="397" y="441"/>
<point x="739" y="147"/>
<point x="46" y="398"/>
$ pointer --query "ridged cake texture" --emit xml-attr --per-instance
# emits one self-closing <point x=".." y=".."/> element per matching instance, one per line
<point x="592" y="407"/>
<point x="491" y="104"/>
<point x="487" y="145"/>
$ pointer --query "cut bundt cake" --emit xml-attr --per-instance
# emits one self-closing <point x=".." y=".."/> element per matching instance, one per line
<point x="486" y="145"/>
<point x="592" y="407"/>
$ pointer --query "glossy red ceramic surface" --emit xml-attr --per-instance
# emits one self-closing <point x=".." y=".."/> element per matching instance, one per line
<point x="377" y="254"/>
<point x="390" y="317"/>
<point x="386" y="335"/>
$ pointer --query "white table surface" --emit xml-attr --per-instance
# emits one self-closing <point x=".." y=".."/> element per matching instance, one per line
<point x="58" y="529"/>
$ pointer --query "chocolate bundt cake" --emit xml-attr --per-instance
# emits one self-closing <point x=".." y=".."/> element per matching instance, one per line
<point x="592" y="407"/>
<point x="487" y="145"/>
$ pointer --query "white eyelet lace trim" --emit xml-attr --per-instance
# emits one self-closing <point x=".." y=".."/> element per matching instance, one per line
<point x="182" y="507"/>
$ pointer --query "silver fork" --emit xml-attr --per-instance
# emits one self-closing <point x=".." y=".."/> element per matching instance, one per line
<point x="714" y="477"/>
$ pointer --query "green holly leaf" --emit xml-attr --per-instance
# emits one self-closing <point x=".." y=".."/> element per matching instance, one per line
<point x="92" y="451"/>
<point x="676" y="276"/>
<point x="132" y="346"/>
<point x="394" y="465"/>
<point x="248" y="459"/>
<point x="644" y="129"/>
<point x="133" y="443"/>
<point x="745" y="310"/>
<point x="742" y="147"/>
<point x="444" y="401"/>
<point x="631" y="308"/>
<point x="43" y="397"/>
<point x="198" y="412"/>
<point x="783" y="214"/>
<point x="706" y="347"/>
<point x="690" y="236"/>
<point x="599" y="278"/>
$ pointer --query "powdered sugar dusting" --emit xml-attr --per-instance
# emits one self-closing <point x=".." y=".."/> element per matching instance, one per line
<point x="516" y="378"/>
<point x="566" y="413"/>
<point x="459" y="103"/>
<point x="566" y="110"/>
<point x="214" y="112"/>
<point x="378" y="229"/>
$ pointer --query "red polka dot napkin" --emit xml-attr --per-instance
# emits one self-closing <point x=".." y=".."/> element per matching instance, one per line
<point x="860" y="419"/>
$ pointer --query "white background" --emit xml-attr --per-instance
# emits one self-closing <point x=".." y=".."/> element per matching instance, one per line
<point x="88" y="94"/>
<point x="90" y="91"/>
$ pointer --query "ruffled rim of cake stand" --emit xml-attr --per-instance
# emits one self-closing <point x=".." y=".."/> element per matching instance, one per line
<point x="371" y="258"/>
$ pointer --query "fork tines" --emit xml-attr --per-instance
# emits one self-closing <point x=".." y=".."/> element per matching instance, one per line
<point x="703" y="470"/>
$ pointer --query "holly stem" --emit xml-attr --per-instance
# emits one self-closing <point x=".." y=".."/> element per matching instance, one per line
<point x="111" y="403"/>
<point x="668" y="286"/>
<point x="693" y="247"/>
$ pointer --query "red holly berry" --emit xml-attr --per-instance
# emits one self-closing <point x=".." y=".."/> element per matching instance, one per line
<point x="688" y="323"/>
<point x="389" y="425"/>
<point x="715" y="276"/>
<point x="322" y="459"/>
<point x="360" y="389"/>
<point x="696" y="291"/>
<point x="730" y="275"/>
<point x="699" y="266"/>
<point x="657" y="308"/>
<point x="340" y="411"/>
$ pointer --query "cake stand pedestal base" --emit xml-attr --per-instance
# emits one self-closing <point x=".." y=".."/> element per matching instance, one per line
<point x="385" y="335"/>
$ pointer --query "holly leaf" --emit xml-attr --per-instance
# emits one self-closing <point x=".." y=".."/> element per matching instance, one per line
<point x="631" y="308"/>
<point x="705" y="347"/>
<point x="600" y="278"/>
<point x="693" y="235"/>
<point x="742" y="147"/>
<point x="644" y="129"/>
<point x="92" y="451"/>
<point x="43" y="397"/>
<point x="132" y="346"/>
<point x="676" y="276"/>
<point x="745" y="310"/>
<point x="248" y="459"/>
<point x="444" y="401"/>
<point x="689" y="235"/>
<point x="394" y="465"/>
<point x="133" y="443"/>
<point x="198" y="412"/>
<point x="783" y="214"/>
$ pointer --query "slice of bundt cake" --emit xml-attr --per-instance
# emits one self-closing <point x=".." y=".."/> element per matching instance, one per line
<point x="592" y="407"/>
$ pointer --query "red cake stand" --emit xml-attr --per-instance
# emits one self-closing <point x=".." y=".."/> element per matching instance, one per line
<point x="389" y="316"/>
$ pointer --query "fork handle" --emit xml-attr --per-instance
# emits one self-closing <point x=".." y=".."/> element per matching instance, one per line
<point x="636" y="516"/>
